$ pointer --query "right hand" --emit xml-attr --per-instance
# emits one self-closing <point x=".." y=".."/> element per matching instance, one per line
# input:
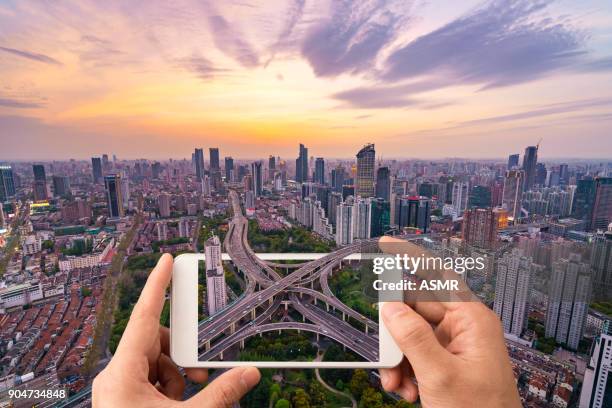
<point x="454" y="350"/>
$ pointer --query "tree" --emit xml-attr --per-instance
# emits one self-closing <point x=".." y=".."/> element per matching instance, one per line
<point x="371" y="398"/>
<point x="282" y="403"/>
<point x="317" y="395"/>
<point x="300" y="399"/>
<point x="340" y="385"/>
<point x="358" y="383"/>
<point x="275" y="391"/>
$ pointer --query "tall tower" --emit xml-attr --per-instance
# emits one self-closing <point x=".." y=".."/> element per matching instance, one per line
<point x="383" y="183"/>
<point x="597" y="385"/>
<point x="513" y="192"/>
<point x="513" y="161"/>
<point x="512" y="291"/>
<point x="198" y="158"/>
<point x="7" y="183"/>
<point x="215" y="278"/>
<point x="40" y="183"/>
<point x="229" y="169"/>
<point x="344" y="222"/>
<point x="568" y="301"/>
<point x="602" y="208"/>
<point x="96" y="169"/>
<point x="256" y="170"/>
<point x="461" y="192"/>
<point x="319" y="171"/>
<point x="530" y="161"/>
<point x="362" y="218"/>
<point x="214" y="159"/>
<point x="114" y="199"/>
<point x="364" y="183"/>
<point x="301" y="165"/>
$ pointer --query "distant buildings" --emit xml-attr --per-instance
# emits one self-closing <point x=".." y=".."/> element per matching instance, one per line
<point x="40" y="183"/>
<point x="257" y="173"/>
<point x="362" y="218"/>
<point x="460" y="196"/>
<point x="198" y="158"/>
<point x="602" y="206"/>
<point x="513" y="161"/>
<point x="344" y="222"/>
<point x="597" y="386"/>
<point x="214" y="159"/>
<point x="530" y="161"/>
<point x="383" y="183"/>
<point x="512" y="290"/>
<point x="364" y="182"/>
<point x="163" y="203"/>
<point x="513" y="191"/>
<point x="216" y="293"/>
<point x="61" y="186"/>
<point x="319" y="176"/>
<point x="601" y="262"/>
<point x="413" y="212"/>
<point x="480" y="227"/>
<point x="114" y="199"/>
<point x="229" y="169"/>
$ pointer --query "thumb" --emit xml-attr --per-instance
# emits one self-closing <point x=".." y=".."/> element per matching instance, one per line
<point x="415" y="337"/>
<point x="227" y="389"/>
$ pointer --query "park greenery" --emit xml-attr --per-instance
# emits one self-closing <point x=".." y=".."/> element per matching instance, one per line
<point x="294" y="239"/>
<point x="603" y="307"/>
<point x="155" y="245"/>
<point x="353" y="286"/>
<point x="210" y="226"/>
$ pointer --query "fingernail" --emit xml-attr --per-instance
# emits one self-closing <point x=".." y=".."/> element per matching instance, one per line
<point x="250" y="376"/>
<point x="391" y="309"/>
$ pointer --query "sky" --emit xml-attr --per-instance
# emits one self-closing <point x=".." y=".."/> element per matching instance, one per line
<point x="429" y="79"/>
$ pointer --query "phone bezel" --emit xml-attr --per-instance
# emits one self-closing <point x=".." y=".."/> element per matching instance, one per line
<point x="184" y="321"/>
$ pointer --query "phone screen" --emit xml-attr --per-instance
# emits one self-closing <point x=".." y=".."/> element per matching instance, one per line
<point x="324" y="309"/>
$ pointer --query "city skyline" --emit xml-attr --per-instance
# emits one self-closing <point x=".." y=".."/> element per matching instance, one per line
<point x="211" y="77"/>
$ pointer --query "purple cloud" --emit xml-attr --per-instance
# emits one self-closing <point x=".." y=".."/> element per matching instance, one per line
<point x="231" y="43"/>
<point x="201" y="66"/>
<point x="14" y="103"/>
<point x="31" y="55"/>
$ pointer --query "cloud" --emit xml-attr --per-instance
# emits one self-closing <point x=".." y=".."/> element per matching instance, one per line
<point x="231" y="43"/>
<point x="13" y="103"/>
<point x="202" y="67"/>
<point x="349" y="40"/>
<point x="31" y="55"/>
<point x="499" y="43"/>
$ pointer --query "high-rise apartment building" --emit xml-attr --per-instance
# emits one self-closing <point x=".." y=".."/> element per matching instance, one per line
<point x="344" y="222"/>
<point x="198" y="159"/>
<point x="7" y="183"/>
<point x="513" y="192"/>
<point x="163" y="203"/>
<point x="229" y="169"/>
<point x="40" y="183"/>
<point x="530" y="161"/>
<point x="214" y="158"/>
<point x="568" y="301"/>
<point x="584" y="200"/>
<point x="512" y="290"/>
<point x="480" y="226"/>
<point x="216" y="292"/>
<point x="96" y="169"/>
<point x="337" y="178"/>
<point x="301" y="165"/>
<point x="114" y="199"/>
<point x="319" y="176"/>
<point x="601" y="262"/>
<point x="461" y="192"/>
<point x="364" y="181"/>
<point x="362" y="218"/>
<point x="383" y="183"/>
<point x="381" y="217"/>
<point x="597" y="385"/>
<point x="513" y="161"/>
<point x="413" y="212"/>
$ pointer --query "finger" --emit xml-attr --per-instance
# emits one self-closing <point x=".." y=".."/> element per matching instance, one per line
<point x="227" y="389"/>
<point x="391" y="378"/>
<point x="197" y="375"/>
<point x="170" y="379"/>
<point x="408" y="390"/>
<point x="142" y="330"/>
<point x="415" y="338"/>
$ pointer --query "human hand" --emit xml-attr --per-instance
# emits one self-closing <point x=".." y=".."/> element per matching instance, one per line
<point x="141" y="373"/>
<point x="454" y="350"/>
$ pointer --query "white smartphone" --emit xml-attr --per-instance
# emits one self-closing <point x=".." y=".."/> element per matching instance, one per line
<point x="277" y="310"/>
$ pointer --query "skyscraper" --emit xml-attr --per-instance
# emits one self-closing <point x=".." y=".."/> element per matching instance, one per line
<point x="602" y="208"/>
<point x="480" y="227"/>
<point x="601" y="262"/>
<point x="344" y="222"/>
<point x="256" y="171"/>
<point x="461" y="191"/>
<point x="584" y="200"/>
<point x="337" y="178"/>
<point x="319" y="171"/>
<point x="271" y="167"/>
<point x="7" y="183"/>
<point x="96" y="169"/>
<point x="215" y="277"/>
<point x="114" y="199"/>
<point x="480" y="197"/>
<point x="163" y="203"/>
<point x="334" y="201"/>
<point x="301" y="165"/>
<point x="597" y="385"/>
<point x="568" y="301"/>
<point x="513" y="161"/>
<point x="229" y="169"/>
<point x="2" y="220"/>
<point x="413" y="212"/>
<point x="364" y="183"/>
<point x="362" y="218"/>
<point x="214" y="159"/>
<point x="530" y="161"/>
<point x="513" y="192"/>
<point x="381" y="217"/>
<point x="512" y="291"/>
<point x="61" y="186"/>
<point x="383" y="183"/>
<point x="40" y="183"/>
<point x="198" y="158"/>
